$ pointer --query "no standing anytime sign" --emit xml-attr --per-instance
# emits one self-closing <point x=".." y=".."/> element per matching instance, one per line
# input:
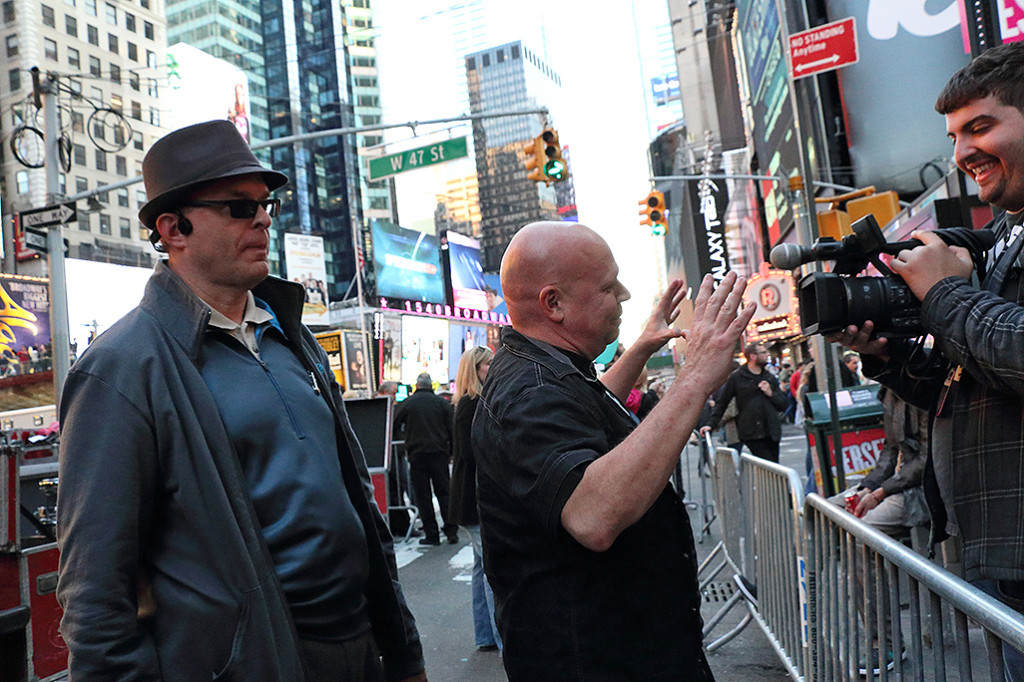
<point x="823" y="48"/>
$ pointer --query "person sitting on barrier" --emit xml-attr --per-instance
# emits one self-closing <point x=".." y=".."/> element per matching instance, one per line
<point x="891" y="497"/>
<point x="588" y="548"/>
<point x="978" y="443"/>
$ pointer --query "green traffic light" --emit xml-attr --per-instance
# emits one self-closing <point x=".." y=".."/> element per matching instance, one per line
<point x="658" y="229"/>
<point x="555" y="170"/>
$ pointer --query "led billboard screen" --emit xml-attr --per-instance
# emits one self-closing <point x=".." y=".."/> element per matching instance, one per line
<point x="407" y="264"/>
<point x="467" y="275"/>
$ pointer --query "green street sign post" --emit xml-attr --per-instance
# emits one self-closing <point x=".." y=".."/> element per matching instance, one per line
<point x="433" y="154"/>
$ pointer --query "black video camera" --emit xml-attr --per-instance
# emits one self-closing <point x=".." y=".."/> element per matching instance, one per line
<point x="832" y="301"/>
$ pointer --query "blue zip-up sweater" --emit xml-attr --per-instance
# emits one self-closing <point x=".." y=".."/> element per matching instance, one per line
<point x="164" y="573"/>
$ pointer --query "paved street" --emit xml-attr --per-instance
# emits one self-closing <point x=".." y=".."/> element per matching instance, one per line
<point x="436" y="583"/>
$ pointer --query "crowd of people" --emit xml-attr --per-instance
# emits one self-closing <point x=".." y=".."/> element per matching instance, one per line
<point x="216" y="516"/>
<point x="26" y="360"/>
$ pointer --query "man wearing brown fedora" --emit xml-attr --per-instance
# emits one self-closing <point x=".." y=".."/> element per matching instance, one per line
<point x="216" y="516"/>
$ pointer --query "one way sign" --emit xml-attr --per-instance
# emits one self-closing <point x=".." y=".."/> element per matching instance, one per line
<point x="61" y="214"/>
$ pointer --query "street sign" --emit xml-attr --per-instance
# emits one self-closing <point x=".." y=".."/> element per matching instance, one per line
<point x="36" y="240"/>
<point x="823" y="48"/>
<point x="61" y="214"/>
<point x="393" y="164"/>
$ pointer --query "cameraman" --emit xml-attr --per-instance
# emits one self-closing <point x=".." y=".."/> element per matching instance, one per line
<point x="978" y="431"/>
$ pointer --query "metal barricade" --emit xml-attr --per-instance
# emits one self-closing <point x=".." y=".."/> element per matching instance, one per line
<point x="774" y="498"/>
<point x="839" y="546"/>
<point x="730" y="552"/>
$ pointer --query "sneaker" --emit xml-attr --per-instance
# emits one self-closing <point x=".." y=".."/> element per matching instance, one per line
<point x="746" y="588"/>
<point x="487" y="647"/>
<point x="890" y="663"/>
<point x="433" y="542"/>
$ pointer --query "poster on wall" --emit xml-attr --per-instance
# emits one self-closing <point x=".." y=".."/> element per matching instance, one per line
<point x="358" y="374"/>
<point x="388" y="337"/>
<point x="331" y="343"/>
<point x="304" y="263"/>
<point x="24" y="318"/>
<point x="424" y="348"/>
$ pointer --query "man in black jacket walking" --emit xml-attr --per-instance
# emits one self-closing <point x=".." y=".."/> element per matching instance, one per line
<point x="758" y="403"/>
<point x="426" y="419"/>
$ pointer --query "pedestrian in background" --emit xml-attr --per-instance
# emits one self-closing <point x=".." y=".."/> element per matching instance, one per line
<point x="759" y="400"/>
<point x="462" y="509"/>
<point x="426" y="420"/>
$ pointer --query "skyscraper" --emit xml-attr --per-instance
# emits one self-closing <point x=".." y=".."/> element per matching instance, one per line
<point x="108" y="59"/>
<point x="506" y="78"/>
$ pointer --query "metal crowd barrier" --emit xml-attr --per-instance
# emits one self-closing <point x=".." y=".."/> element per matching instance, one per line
<point x="806" y="555"/>
<point x="839" y="547"/>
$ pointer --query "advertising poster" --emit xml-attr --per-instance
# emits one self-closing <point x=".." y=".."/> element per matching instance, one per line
<point x="100" y="294"/>
<point x="467" y="275"/>
<point x="492" y="288"/>
<point x="388" y="337"/>
<point x="424" y="348"/>
<point x="358" y="372"/>
<point x="304" y="263"/>
<point x="331" y="343"/>
<point x="24" y="316"/>
<point x="462" y="337"/>
<point x="202" y="88"/>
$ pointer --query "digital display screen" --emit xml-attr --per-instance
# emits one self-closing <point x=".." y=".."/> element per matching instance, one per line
<point x="467" y="275"/>
<point x="407" y="263"/>
<point x="425" y="348"/>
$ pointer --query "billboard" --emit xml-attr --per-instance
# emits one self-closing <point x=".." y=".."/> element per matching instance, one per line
<point x="462" y="337"/>
<point x="424" y="348"/>
<point x="99" y="294"/>
<point x="202" y="88"/>
<point x="24" y="315"/>
<point x="907" y="53"/>
<point x="358" y="367"/>
<point x="465" y="272"/>
<point x="407" y="264"/>
<point x="304" y="263"/>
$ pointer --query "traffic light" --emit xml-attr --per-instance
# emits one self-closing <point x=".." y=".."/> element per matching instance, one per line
<point x="544" y="158"/>
<point x="554" y="165"/>
<point x="654" y="212"/>
<point x="535" y="159"/>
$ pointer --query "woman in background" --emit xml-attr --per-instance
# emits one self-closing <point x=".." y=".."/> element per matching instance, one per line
<point x="462" y="502"/>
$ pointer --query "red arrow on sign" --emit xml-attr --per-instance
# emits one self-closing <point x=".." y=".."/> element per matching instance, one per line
<point x="823" y="48"/>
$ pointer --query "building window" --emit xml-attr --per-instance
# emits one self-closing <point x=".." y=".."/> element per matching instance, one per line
<point x="112" y="43"/>
<point x="74" y="83"/>
<point x="71" y="25"/>
<point x="21" y="179"/>
<point x="133" y="80"/>
<point x="470" y="64"/>
<point x="515" y="52"/>
<point x="111" y="14"/>
<point x="122" y="197"/>
<point x="48" y="17"/>
<point x="486" y="60"/>
<point x="14" y="79"/>
<point x="501" y="56"/>
<point x="69" y="3"/>
<point x="9" y="14"/>
<point x="94" y="66"/>
<point x="129" y="21"/>
<point x="133" y="52"/>
<point x="101" y="157"/>
<point x="84" y="221"/>
<point x="126" y="228"/>
<point x="50" y="49"/>
<point x="74" y="58"/>
<point x="154" y="116"/>
<point x="115" y="73"/>
<point x="104" y="223"/>
<point x="94" y="35"/>
<point x="140" y="198"/>
<point x="90" y="7"/>
<point x="151" y="59"/>
<point x="121" y="168"/>
<point x="147" y="27"/>
<point x="79" y="154"/>
<point x="153" y="90"/>
<point x="62" y="183"/>
<point x="144" y="3"/>
<point x="137" y="113"/>
<point x="12" y="44"/>
<point x="78" y="121"/>
<point x="81" y="184"/>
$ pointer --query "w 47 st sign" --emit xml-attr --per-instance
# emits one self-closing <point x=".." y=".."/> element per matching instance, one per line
<point x="823" y="48"/>
<point x="393" y="164"/>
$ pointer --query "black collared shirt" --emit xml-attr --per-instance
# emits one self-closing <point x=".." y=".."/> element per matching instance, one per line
<point x="565" y="612"/>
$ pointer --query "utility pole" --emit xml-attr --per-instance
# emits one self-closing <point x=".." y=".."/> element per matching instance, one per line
<point x="59" y="333"/>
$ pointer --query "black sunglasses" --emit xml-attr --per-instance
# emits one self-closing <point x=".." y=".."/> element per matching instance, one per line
<point x="243" y="208"/>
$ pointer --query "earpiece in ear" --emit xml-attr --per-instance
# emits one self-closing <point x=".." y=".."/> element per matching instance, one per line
<point x="184" y="224"/>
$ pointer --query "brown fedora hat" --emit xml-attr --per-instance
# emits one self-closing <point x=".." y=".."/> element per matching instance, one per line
<point x="183" y="160"/>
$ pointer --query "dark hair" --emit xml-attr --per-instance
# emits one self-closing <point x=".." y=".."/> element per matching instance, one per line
<point x="751" y="348"/>
<point x="998" y="71"/>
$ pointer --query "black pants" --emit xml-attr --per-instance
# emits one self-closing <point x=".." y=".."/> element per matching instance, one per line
<point x="426" y="468"/>
<point x="354" y="660"/>
<point x="765" y="448"/>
